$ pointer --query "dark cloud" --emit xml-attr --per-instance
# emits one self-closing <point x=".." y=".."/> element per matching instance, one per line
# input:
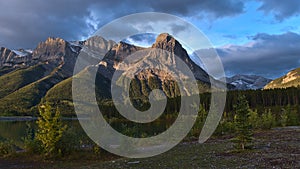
<point x="193" y="7"/>
<point x="25" y="23"/>
<point x="176" y="28"/>
<point x="280" y="9"/>
<point x="267" y="55"/>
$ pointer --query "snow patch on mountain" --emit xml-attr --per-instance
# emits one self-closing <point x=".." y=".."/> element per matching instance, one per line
<point x="246" y="82"/>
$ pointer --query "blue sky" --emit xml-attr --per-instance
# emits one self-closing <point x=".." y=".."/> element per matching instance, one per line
<point x="238" y="29"/>
<point x="252" y="37"/>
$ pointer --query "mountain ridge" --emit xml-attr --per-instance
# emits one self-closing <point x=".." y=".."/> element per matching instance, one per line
<point x="291" y="79"/>
<point x="59" y="57"/>
<point x="247" y="82"/>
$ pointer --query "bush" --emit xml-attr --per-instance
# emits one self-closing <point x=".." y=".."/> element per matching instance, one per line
<point x="6" y="148"/>
<point x="31" y="145"/>
<point x="69" y="142"/>
<point x="50" y="130"/>
<point x="254" y="119"/>
<point x="268" y="120"/>
<point x="284" y="118"/>
<point x="293" y="118"/>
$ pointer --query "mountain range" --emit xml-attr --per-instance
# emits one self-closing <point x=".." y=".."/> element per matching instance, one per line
<point x="247" y="82"/>
<point x="31" y="77"/>
<point x="45" y="73"/>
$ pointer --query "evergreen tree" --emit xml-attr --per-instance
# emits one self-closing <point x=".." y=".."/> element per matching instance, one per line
<point x="243" y="127"/>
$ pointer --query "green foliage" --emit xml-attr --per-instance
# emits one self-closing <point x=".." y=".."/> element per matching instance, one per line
<point x="17" y="79"/>
<point x="50" y="130"/>
<point x="254" y="119"/>
<point x="96" y="149"/>
<point x="243" y="127"/>
<point x="267" y="120"/>
<point x="29" y="96"/>
<point x="283" y="118"/>
<point x="202" y="114"/>
<point x="6" y="148"/>
<point x="293" y="117"/>
<point x="70" y="141"/>
<point x="31" y="145"/>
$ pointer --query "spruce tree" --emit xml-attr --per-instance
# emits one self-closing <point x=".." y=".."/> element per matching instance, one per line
<point x="243" y="127"/>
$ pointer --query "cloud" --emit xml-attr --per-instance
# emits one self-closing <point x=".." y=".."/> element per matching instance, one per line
<point x="267" y="55"/>
<point x="192" y="7"/>
<point x="280" y="9"/>
<point x="143" y="40"/>
<point x="25" y="23"/>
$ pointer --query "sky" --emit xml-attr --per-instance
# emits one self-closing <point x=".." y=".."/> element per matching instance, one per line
<point x="259" y="37"/>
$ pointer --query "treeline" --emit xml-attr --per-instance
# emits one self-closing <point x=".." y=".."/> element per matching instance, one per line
<point x="260" y="99"/>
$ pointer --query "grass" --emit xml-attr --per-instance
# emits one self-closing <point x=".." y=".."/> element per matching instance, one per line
<point x="24" y="100"/>
<point x="15" y="80"/>
<point x="277" y="148"/>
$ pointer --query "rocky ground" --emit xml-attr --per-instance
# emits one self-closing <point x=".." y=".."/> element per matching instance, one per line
<point x="276" y="148"/>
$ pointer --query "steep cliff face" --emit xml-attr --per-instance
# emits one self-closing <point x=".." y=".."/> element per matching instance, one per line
<point x="99" y="44"/>
<point x="14" y="58"/>
<point x="160" y="57"/>
<point x="167" y="42"/>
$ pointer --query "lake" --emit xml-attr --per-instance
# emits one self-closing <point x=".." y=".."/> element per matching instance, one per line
<point x="15" y="131"/>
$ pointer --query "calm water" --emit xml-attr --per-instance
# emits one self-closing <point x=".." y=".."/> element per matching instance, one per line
<point x="17" y="130"/>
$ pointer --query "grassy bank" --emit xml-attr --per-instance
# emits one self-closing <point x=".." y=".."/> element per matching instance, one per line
<point x="276" y="148"/>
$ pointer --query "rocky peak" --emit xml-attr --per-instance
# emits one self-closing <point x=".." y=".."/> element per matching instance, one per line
<point x="14" y="58"/>
<point x="6" y="56"/>
<point x="99" y="43"/>
<point x="52" y="48"/>
<point x="121" y="50"/>
<point x="167" y="42"/>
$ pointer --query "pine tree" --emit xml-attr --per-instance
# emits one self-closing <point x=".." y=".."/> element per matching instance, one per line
<point x="50" y="129"/>
<point x="243" y="127"/>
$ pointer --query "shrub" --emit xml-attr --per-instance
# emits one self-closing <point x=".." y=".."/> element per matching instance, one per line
<point x="31" y="145"/>
<point x="50" y="130"/>
<point x="293" y="118"/>
<point x="284" y="118"/>
<point x="6" y="148"/>
<point x="254" y="119"/>
<point x="69" y="142"/>
<point x="268" y="120"/>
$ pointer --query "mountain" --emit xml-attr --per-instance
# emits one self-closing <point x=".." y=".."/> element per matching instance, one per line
<point x="245" y="82"/>
<point x="143" y="82"/>
<point x="23" y="88"/>
<point x="24" y="83"/>
<point x="291" y="79"/>
<point x="45" y="74"/>
<point x="13" y="59"/>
